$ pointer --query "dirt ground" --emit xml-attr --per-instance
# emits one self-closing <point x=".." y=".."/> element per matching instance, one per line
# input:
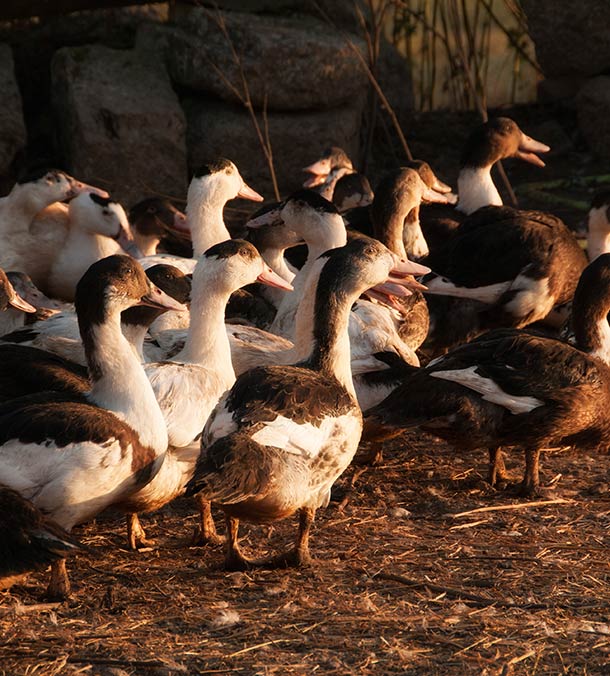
<point x="409" y="578"/>
<point x="404" y="582"/>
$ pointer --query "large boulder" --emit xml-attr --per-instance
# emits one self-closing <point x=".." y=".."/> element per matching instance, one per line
<point x="120" y="122"/>
<point x="12" y="127"/>
<point x="289" y="63"/>
<point x="216" y="128"/>
<point x="593" y="105"/>
<point x="571" y="38"/>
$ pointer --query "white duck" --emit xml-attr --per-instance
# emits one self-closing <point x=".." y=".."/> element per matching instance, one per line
<point x="21" y="249"/>
<point x="73" y="456"/>
<point x="190" y="385"/>
<point x="98" y="227"/>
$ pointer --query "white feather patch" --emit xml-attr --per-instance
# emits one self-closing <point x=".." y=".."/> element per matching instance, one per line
<point x="486" y="294"/>
<point x="490" y="390"/>
<point x="298" y="438"/>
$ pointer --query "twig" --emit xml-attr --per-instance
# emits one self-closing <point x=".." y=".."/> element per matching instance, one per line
<point x="521" y="505"/>
<point x="262" y="645"/>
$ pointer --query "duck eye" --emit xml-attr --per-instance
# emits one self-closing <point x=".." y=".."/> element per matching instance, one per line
<point x="105" y="212"/>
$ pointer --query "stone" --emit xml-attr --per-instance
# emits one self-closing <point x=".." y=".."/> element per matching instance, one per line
<point x="120" y="123"/>
<point x="289" y="63"/>
<point x="571" y="38"/>
<point x="593" y="106"/>
<point x="12" y="126"/>
<point x="394" y="76"/>
<point x="217" y="128"/>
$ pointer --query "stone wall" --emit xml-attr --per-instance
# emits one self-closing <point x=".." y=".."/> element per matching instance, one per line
<point x="573" y="48"/>
<point x="134" y="99"/>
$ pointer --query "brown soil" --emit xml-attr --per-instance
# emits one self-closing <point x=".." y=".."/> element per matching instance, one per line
<point x="403" y="583"/>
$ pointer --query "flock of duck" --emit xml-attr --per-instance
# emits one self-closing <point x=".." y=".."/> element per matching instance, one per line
<point x="129" y="377"/>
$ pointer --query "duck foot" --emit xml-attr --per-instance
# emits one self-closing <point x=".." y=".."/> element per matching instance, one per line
<point x="136" y="535"/>
<point x="201" y="539"/>
<point x="235" y="561"/>
<point x="293" y="558"/>
<point x="59" y="585"/>
<point x="526" y="491"/>
<point x="371" y="454"/>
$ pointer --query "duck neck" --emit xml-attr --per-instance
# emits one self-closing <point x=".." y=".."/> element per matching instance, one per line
<point x="322" y="338"/>
<point x="413" y="237"/>
<point x="476" y="189"/>
<point x="204" y="217"/>
<point x="274" y="257"/>
<point x="207" y="343"/>
<point x="598" y="233"/>
<point x="88" y="247"/>
<point x="591" y="328"/>
<point x="135" y="322"/>
<point x="389" y="231"/>
<point x="119" y="383"/>
<point x="147" y="244"/>
<point x="332" y="238"/>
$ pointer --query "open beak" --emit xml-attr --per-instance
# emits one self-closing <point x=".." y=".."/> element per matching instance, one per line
<point x="319" y="170"/>
<point x="21" y="304"/>
<point x="271" y="217"/>
<point x="389" y="292"/>
<point x="77" y="187"/>
<point x="159" y="299"/>
<point x="247" y="193"/>
<point x="527" y="149"/>
<point x="267" y="276"/>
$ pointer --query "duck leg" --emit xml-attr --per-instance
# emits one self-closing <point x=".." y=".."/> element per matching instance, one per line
<point x="530" y="486"/>
<point x="136" y="536"/>
<point x="206" y="533"/>
<point x="234" y="559"/>
<point x="59" y="585"/>
<point x="299" y="556"/>
<point x="497" y="469"/>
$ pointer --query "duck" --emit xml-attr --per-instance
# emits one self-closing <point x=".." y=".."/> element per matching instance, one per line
<point x="29" y="540"/>
<point x="515" y="266"/>
<point x="11" y="303"/>
<point x="73" y="456"/>
<point x="332" y="159"/>
<point x="281" y="436"/>
<point x="513" y="388"/>
<point x="59" y="333"/>
<point x="190" y="385"/>
<point x="153" y="219"/>
<point x="33" y="252"/>
<point x="98" y="228"/>
<point x="352" y="191"/>
<point x="211" y="187"/>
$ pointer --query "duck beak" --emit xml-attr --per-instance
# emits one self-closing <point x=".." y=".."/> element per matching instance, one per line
<point x="441" y="187"/>
<point x="159" y="299"/>
<point x="77" y="187"/>
<point x="403" y="268"/>
<point x="319" y="170"/>
<point x="267" y="276"/>
<point x="389" y="292"/>
<point x="271" y="217"/>
<point x="430" y="195"/>
<point x="247" y="193"/>
<point x="180" y="225"/>
<point x="20" y="303"/>
<point x="527" y="149"/>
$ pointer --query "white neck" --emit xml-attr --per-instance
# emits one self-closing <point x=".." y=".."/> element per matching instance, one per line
<point x="330" y="238"/>
<point x="274" y="258"/>
<point x="207" y="343"/>
<point x="123" y="387"/>
<point x="415" y="245"/>
<point x="204" y="217"/>
<point x="603" y="332"/>
<point x="135" y="335"/>
<point x="476" y="189"/>
<point x="147" y="244"/>
<point x="598" y="233"/>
